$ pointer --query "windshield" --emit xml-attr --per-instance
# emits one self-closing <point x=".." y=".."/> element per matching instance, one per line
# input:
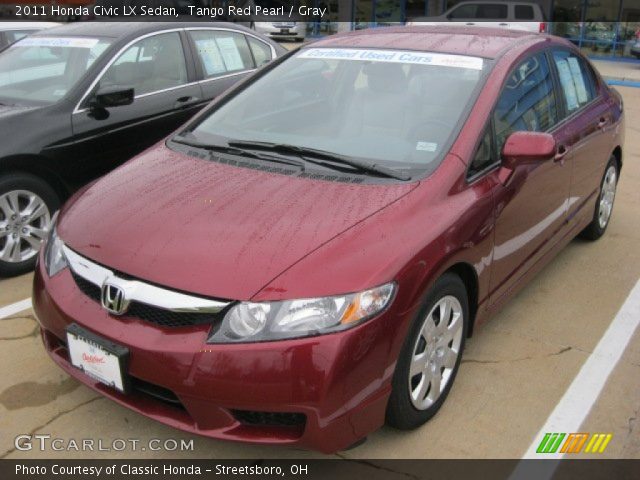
<point x="41" y="70"/>
<point x="393" y="108"/>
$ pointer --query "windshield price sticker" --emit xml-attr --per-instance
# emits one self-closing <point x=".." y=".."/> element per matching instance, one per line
<point x="394" y="56"/>
<point x="73" y="42"/>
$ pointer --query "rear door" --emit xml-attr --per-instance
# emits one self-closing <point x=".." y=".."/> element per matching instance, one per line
<point x="166" y="95"/>
<point x="224" y="57"/>
<point x="589" y="120"/>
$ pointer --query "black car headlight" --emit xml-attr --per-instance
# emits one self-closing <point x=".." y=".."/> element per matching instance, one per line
<point x="264" y="321"/>
<point x="54" y="258"/>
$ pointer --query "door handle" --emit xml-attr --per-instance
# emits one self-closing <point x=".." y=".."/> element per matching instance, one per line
<point x="603" y="122"/>
<point x="470" y="23"/>
<point x="186" y="101"/>
<point x="503" y="24"/>
<point x="560" y="154"/>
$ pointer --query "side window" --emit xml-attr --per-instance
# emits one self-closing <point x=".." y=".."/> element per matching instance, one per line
<point x="523" y="12"/>
<point x="527" y="101"/>
<point x="261" y="51"/>
<point x="576" y="80"/>
<point x="222" y="52"/>
<point x="151" y="64"/>
<point x="464" y="11"/>
<point x="492" y="11"/>
<point x="484" y="156"/>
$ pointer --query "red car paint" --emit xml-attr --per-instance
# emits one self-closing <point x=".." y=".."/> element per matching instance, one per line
<point x="226" y="232"/>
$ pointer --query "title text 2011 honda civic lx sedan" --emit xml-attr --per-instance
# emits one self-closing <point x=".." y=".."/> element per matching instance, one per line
<point x="303" y="261"/>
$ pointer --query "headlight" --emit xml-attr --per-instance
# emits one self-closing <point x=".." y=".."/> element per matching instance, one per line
<point x="259" y="322"/>
<point x="54" y="259"/>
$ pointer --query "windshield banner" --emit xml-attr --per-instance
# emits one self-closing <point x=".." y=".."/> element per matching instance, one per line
<point x="57" y="42"/>
<point x="394" y="56"/>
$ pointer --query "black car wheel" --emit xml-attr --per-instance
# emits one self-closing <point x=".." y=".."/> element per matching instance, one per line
<point x="27" y="204"/>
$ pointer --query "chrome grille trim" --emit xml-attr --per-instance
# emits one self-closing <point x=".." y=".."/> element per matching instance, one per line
<point x="141" y="292"/>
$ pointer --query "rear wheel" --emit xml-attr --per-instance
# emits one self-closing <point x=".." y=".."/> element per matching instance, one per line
<point x="430" y="357"/>
<point x="604" y="205"/>
<point x="27" y="204"/>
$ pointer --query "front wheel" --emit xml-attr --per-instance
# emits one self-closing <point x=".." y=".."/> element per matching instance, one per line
<point x="27" y="204"/>
<point x="604" y="205"/>
<point x="430" y="357"/>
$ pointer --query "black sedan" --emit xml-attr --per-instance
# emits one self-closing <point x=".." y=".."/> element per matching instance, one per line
<point x="78" y="100"/>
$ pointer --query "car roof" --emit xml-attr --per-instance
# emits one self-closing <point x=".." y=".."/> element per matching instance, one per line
<point x="482" y="42"/>
<point x="122" y="30"/>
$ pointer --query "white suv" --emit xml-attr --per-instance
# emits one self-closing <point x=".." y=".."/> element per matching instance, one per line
<point x="498" y="14"/>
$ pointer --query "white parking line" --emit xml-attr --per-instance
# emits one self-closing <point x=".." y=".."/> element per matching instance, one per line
<point x="585" y="389"/>
<point x="15" y="308"/>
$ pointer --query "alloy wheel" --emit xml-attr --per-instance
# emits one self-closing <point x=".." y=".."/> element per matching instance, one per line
<point x="24" y="223"/>
<point x="607" y="196"/>
<point x="435" y="352"/>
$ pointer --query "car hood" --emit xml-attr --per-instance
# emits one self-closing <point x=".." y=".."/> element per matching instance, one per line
<point x="210" y="228"/>
<point x="7" y="111"/>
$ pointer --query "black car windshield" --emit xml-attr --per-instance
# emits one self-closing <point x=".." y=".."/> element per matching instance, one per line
<point x="41" y="70"/>
<point x="394" y="108"/>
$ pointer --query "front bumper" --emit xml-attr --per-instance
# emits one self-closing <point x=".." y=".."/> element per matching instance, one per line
<point x="337" y="384"/>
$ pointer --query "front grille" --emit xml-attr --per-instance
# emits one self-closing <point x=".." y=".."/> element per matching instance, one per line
<point x="148" y="313"/>
<point x="271" y="419"/>
<point x="89" y="289"/>
<point x="167" y="318"/>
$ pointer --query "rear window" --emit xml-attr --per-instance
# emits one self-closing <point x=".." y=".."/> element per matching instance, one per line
<point x="524" y="12"/>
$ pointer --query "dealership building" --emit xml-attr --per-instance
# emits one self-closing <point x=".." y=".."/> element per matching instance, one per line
<point x="601" y="28"/>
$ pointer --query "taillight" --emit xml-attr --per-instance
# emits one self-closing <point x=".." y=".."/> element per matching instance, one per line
<point x="542" y="27"/>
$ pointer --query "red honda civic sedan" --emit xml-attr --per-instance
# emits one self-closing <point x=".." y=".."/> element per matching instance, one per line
<point x="303" y="261"/>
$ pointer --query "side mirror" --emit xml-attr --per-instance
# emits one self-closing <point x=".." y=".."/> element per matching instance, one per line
<point x="114" y="96"/>
<point x="523" y="148"/>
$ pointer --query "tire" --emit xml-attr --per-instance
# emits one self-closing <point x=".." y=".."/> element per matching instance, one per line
<point x="606" y="198"/>
<point x="408" y="408"/>
<point x="20" y="233"/>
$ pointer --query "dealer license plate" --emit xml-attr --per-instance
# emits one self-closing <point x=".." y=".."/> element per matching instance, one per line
<point x="97" y="357"/>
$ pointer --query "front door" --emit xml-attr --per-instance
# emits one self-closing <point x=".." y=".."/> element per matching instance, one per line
<point x="531" y="207"/>
<point x="165" y="98"/>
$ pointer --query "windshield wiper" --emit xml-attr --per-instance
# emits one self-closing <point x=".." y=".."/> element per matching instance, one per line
<point x="305" y="152"/>
<point x="183" y="140"/>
